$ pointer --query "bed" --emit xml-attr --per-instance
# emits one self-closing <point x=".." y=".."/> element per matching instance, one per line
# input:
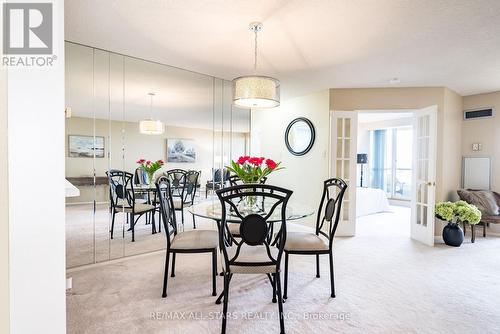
<point x="370" y="201"/>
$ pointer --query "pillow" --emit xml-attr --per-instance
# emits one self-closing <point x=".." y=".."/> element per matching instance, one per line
<point x="483" y="199"/>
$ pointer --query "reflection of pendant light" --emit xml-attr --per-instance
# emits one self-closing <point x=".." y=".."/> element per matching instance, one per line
<point x="150" y="126"/>
<point x="254" y="91"/>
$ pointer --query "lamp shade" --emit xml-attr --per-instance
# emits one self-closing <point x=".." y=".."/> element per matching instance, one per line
<point x="151" y="127"/>
<point x="362" y="158"/>
<point x="256" y="92"/>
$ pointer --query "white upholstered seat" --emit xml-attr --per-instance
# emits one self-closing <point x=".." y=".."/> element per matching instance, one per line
<point x="252" y="254"/>
<point x="234" y="229"/>
<point x="305" y="241"/>
<point x="138" y="208"/>
<point x="195" y="239"/>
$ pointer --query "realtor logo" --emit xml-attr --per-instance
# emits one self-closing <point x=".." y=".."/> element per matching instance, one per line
<point x="27" y="28"/>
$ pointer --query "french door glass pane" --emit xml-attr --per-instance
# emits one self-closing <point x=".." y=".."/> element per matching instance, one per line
<point x="403" y="158"/>
<point x="391" y="163"/>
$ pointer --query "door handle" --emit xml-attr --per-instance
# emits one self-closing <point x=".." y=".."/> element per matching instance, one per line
<point x="431" y="183"/>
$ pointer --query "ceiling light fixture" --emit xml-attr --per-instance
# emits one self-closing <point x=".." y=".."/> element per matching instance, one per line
<point x="256" y="91"/>
<point x="149" y="126"/>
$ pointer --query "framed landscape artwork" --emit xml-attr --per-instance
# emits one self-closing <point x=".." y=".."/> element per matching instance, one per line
<point x="181" y="150"/>
<point x="84" y="147"/>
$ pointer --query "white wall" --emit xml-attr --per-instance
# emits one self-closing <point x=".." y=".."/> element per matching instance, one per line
<point x="304" y="175"/>
<point x="36" y="193"/>
<point x="4" y="205"/>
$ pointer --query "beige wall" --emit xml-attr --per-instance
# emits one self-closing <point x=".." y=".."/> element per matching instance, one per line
<point x="137" y="146"/>
<point x="450" y="157"/>
<point x="485" y="131"/>
<point x="304" y="175"/>
<point x="4" y="209"/>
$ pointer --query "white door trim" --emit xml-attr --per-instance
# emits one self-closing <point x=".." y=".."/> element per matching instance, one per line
<point x="343" y="164"/>
<point x="424" y="175"/>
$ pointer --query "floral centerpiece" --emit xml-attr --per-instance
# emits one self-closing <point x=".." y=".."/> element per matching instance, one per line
<point x="455" y="213"/>
<point x="150" y="167"/>
<point x="252" y="170"/>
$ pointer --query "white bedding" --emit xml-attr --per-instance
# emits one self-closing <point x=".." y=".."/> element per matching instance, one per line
<point x="370" y="201"/>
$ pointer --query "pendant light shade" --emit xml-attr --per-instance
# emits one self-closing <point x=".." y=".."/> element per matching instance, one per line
<point x="149" y="126"/>
<point x="256" y="91"/>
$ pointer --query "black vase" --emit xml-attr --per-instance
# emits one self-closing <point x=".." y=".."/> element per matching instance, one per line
<point x="453" y="235"/>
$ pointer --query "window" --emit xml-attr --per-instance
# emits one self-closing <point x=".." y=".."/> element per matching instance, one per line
<point x="391" y="165"/>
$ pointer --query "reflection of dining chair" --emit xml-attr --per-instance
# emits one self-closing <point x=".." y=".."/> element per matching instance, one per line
<point x="141" y="178"/>
<point x="122" y="197"/>
<point x="321" y="241"/>
<point x="218" y="181"/>
<point x="255" y="254"/>
<point x="183" y="185"/>
<point x="194" y="241"/>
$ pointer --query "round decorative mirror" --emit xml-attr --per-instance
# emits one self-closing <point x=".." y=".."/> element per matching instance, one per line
<point x="299" y="136"/>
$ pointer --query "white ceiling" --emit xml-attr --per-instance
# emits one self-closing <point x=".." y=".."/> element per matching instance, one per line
<point x="308" y="44"/>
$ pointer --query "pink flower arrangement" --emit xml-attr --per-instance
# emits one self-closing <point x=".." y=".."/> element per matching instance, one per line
<point x="150" y="167"/>
<point x="253" y="169"/>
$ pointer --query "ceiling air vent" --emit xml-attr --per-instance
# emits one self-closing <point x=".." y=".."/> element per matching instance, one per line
<point x="478" y="113"/>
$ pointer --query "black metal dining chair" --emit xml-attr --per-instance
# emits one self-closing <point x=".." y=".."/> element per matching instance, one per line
<point x="234" y="180"/>
<point x="218" y="181"/>
<point x="194" y="241"/>
<point x="184" y="186"/>
<point x="321" y="241"/>
<point x="122" y="198"/>
<point x="256" y="253"/>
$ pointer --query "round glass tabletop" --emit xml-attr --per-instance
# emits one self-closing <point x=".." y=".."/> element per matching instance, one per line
<point x="213" y="210"/>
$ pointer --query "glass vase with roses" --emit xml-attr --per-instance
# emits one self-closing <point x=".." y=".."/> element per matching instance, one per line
<point x="252" y="170"/>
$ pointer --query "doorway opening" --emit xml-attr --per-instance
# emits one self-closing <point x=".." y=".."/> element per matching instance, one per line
<point x="384" y="182"/>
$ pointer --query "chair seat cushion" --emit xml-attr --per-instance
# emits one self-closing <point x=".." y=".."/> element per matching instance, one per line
<point x="253" y="254"/>
<point x="234" y="229"/>
<point x="305" y="241"/>
<point x="178" y="204"/>
<point x="138" y="208"/>
<point x="196" y="239"/>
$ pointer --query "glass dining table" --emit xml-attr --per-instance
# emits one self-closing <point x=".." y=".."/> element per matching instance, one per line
<point x="212" y="209"/>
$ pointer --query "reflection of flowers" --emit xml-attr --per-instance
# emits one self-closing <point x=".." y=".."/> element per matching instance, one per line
<point x="150" y="167"/>
<point x="460" y="210"/>
<point x="253" y="169"/>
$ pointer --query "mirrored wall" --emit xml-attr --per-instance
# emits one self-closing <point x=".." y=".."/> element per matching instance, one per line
<point x="107" y="95"/>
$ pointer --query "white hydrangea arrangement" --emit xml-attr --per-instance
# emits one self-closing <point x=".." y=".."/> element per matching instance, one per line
<point x="460" y="210"/>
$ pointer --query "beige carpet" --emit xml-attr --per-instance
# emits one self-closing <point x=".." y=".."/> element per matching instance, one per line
<point x="385" y="282"/>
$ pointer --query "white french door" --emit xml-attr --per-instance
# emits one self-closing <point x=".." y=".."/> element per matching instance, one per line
<point x="424" y="175"/>
<point x="344" y="128"/>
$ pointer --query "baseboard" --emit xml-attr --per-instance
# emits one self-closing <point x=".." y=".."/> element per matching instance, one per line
<point x="86" y="203"/>
<point x="114" y="261"/>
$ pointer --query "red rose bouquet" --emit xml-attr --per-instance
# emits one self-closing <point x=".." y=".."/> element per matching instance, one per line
<point x="253" y="169"/>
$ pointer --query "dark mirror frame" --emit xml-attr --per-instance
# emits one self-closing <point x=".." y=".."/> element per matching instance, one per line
<point x="313" y="136"/>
